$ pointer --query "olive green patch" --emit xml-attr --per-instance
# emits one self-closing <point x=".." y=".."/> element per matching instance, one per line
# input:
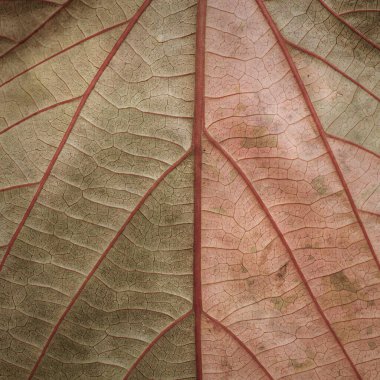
<point x="341" y="282"/>
<point x="319" y="185"/>
<point x="301" y="366"/>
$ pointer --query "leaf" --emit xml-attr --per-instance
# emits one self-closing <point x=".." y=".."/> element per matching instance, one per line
<point x="189" y="189"/>
<point x="363" y="17"/>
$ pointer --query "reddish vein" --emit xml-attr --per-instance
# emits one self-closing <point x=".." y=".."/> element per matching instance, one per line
<point x="370" y="213"/>
<point x="18" y="187"/>
<point x="342" y="20"/>
<point x="318" y="124"/>
<point x="241" y="343"/>
<point x="154" y="341"/>
<point x="8" y="38"/>
<point x="103" y="256"/>
<point x="48" y="2"/>
<point x="38" y="112"/>
<point x="72" y="123"/>
<point x="197" y="143"/>
<point x="37" y="29"/>
<point x="64" y="50"/>
<point x="345" y="141"/>
<point x="358" y="11"/>
<point x="308" y="52"/>
<point x="41" y="1"/>
<point x="282" y="238"/>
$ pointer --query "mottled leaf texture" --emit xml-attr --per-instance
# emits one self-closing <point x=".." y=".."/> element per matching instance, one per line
<point x="190" y="189"/>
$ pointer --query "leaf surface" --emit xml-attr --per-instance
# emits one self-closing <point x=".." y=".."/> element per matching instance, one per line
<point x="189" y="189"/>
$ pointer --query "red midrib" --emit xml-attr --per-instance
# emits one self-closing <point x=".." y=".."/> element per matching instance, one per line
<point x="197" y="143"/>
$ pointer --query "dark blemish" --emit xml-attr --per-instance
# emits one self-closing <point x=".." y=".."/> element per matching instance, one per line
<point x="301" y="365"/>
<point x="243" y="269"/>
<point x="341" y="282"/>
<point x="319" y="185"/>
<point x="278" y="303"/>
<point x="282" y="272"/>
<point x="226" y="364"/>
<point x="372" y="345"/>
<point x="219" y="210"/>
<point x="241" y="107"/>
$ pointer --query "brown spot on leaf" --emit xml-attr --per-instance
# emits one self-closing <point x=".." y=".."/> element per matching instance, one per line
<point x="372" y="345"/>
<point x="341" y="282"/>
<point x="282" y="272"/>
<point x="301" y="365"/>
<point x="278" y="302"/>
<point x="319" y="185"/>
<point x="241" y="107"/>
